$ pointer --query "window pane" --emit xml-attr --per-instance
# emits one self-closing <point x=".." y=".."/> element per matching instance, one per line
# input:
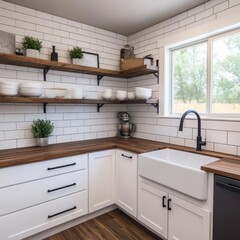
<point x="189" y="78"/>
<point x="226" y="75"/>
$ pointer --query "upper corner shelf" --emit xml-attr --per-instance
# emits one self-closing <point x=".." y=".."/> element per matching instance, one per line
<point x="60" y="66"/>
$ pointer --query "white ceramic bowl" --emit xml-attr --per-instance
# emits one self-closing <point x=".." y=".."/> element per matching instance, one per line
<point x="31" y="93"/>
<point x="54" y="92"/>
<point x="121" y="95"/>
<point x="9" y="84"/>
<point x="77" y="93"/>
<point x="5" y="86"/>
<point x="131" y="95"/>
<point x="8" y="92"/>
<point x="31" y="85"/>
<point x="143" y="95"/>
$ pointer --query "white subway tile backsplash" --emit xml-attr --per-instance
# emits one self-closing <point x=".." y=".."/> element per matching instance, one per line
<point x="79" y="122"/>
<point x="233" y="3"/>
<point x="8" y="144"/>
<point x="234" y="138"/>
<point x="226" y="149"/>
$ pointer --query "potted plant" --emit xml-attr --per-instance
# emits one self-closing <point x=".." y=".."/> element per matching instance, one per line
<point x="76" y="54"/>
<point x="32" y="46"/>
<point x="41" y="130"/>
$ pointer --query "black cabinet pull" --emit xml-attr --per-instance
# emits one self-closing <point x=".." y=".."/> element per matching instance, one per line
<point x="56" y="189"/>
<point x="163" y="201"/>
<point x="168" y="204"/>
<point x="126" y="156"/>
<point x="56" y="214"/>
<point x="62" y="166"/>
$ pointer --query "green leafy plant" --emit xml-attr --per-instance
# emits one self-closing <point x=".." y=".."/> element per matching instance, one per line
<point x="42" y="128"/>
<point x="76" y="52"/>
<point x="31" y="43"/>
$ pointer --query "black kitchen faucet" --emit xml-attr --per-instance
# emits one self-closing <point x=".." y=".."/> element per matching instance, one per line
<point x="200" y="143"/>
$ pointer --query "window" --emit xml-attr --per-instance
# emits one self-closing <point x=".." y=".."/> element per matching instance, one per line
<point x="206" y="76"/>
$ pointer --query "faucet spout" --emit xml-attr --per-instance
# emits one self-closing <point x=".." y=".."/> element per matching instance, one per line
<point x="200" y="143"/>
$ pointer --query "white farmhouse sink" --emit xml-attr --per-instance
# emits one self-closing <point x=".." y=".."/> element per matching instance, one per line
<point x="178" y="170"/>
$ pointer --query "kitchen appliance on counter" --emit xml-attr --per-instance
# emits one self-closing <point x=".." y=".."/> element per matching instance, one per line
<point x="125" y="128"/>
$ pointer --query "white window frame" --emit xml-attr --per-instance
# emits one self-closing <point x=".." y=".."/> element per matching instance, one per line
<point x="205" y="31"/>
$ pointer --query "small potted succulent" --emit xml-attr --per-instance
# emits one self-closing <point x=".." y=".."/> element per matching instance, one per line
<point x="32" y="46"/>
<point x="41" y="130"/>
<point x="76" y="54"/>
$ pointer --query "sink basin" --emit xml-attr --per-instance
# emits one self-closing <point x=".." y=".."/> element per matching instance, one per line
<point x="178" y="170"/>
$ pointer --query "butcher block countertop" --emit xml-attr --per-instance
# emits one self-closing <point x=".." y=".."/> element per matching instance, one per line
<point x="228" y="165"/>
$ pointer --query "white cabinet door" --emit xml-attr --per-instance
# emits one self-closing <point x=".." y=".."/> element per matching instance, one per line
<point x="152" y="208"/>
<point x="126" y="181"/>
<point x="101" y="179"/>
<point x="187" y="221"/>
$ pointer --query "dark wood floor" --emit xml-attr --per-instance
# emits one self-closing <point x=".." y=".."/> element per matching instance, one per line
<point x="114" y="225"/>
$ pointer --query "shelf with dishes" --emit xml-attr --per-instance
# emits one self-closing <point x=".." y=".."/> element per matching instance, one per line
<point x="98" y="102"/>
<point x="47" y="65"/>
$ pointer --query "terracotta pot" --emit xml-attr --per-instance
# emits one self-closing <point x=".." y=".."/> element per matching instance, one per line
<point x="32" y="53"/>
<point x="42" y="142"/>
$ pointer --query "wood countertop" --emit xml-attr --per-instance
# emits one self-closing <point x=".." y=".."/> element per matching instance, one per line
<point x="228" y="165"/>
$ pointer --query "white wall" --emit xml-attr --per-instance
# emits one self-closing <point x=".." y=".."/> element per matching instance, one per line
<point x="72" y="122"/>
<point x="78" y="122"/>
<point x="221" y="136"/>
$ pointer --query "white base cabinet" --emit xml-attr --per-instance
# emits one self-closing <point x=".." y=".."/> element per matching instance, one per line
<point x="187" y="221"/>
<point x="170" y="216"/>
<point x="126" y="181"/>
<point x="101" y="179"/>
<point x="150" y="208"/>
<point x="39" y="196"/>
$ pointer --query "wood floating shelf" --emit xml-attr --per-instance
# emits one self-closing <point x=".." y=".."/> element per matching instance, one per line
<point x="98" y="102"/>
<point x="47" y="65"/>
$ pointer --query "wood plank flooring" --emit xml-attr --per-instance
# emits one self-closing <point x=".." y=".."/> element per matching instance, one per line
<point x="114" y="225"/>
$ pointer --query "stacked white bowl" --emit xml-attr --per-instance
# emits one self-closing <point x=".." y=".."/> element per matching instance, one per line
<point x="8" y="88"/>
<point x="121" y="95"/>
<point x="31" y="89"/>
<point x="143" y="93"/>
<point x="54" y="92"/>
<point x="131" y="95"/>
<point x="78" y="93"/>
<point x="107" y="93"/>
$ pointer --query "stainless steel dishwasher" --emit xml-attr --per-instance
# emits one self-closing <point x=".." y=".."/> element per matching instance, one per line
<point x="226" y="210"/>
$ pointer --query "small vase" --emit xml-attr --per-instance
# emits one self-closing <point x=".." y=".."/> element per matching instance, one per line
<point x="32" y="53"/>
<point x="54" y="55"/>
<point x="76" y="61"/>
<point x="42" y="142"/>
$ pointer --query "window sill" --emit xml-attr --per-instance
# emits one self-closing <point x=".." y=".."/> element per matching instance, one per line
<point x="203" y="117"/>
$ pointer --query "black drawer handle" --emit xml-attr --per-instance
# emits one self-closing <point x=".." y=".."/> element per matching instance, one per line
<point x="127" y="156"/>
<point x="168" y="204"/>
<point x="56" y="214"/>
<point x="56" y="189"/>
<point x="163" y="201"/>
<point x="62" y="166"/>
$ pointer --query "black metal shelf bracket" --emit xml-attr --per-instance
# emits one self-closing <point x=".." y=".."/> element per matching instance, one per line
<point x="156" y="106"/>
<point x="99" y="77"/>
<point x="157" y="76"/>
<point x="99" y="105"/>
<point x="45" y="71"/>
<point x="44" y="107"/>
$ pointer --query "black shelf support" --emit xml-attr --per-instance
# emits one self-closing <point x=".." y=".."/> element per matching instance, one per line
<point x="156" y="106"/>
<point x="99" y="105"/>
<point x="44" y="107"/>
<point x="45" y="71"/>
<point x="99" y="77"/>
<point x="157" y="76"/>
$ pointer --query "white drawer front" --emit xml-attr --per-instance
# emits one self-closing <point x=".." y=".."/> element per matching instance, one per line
<point x="33" y="171"/>
<point x="24" y="195"/>
<point x="32" y="220"/>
